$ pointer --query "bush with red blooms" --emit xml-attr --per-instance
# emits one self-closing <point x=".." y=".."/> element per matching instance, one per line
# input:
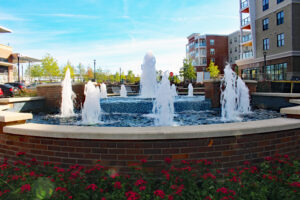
<point x="277" y="178"/>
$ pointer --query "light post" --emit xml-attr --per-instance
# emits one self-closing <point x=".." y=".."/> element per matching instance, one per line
<point x="95" y="70"/>
<point x="19" y="68"/>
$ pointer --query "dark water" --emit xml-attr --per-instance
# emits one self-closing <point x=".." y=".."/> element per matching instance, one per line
<point x="136" y="112"/>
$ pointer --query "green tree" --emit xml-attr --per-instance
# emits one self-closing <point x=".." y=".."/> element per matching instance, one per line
<point x="176" y="79"/>
<point x="117" y="77"/>
<point x="71" y="68"/>
<point x="213" y="69"/>
<point x="188" y="71"/>
<point x="81" y="71"/>
<point x="50" y="67"/>
<point x="130" y="77"/>
<point x="123" y="77"/>
<point x="36" y="71"/>
<point x="89" y="74"/>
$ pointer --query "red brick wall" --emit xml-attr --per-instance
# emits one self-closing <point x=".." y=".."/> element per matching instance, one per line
<point x="230" y="151"/>
<point x="52" y="93"/>
<point x="213" y="92"/>
<point x="221" y="51"/>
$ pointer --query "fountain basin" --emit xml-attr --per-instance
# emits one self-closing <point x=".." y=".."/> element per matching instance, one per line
<point x="118" y="148"/>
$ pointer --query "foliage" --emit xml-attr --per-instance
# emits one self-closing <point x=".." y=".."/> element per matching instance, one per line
<point x="80" y="70"/>
<point x="277" y="178"/>
<point x="71" y="68"/>
<point x="36" y="71"/>
<point x="50" y="67"/>
<point x="130" y="77"/>
<point x="123" y="77"/>
<point x="117" y="77"/>
<point x="188" y="71"/>
<point x="89" y="74"/>
<point x="213" y="69"/>
<point x="176" y="79"/>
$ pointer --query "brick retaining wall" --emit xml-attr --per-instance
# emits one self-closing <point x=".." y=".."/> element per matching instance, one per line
<point x="230" y="151"/>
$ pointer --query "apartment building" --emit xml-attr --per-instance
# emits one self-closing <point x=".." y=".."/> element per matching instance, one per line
<point x="6" y="66"/>
<point x="203" y="49"/>
<point x="270" y="39"/>
<point x="234" y="47"/>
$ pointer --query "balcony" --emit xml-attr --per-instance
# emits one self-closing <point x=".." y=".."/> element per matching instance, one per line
<point x="247" y="55"/>
<point x="245" y="21"/>
<point x="246" y="38"/>
<point x="244" y="5"/>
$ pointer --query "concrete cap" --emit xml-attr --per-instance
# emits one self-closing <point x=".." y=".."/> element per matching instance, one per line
<point x="295" y="110"/>
<point x="6" y="116"/>
<point x="154" y="133"/>
<point x="19" y="99"/>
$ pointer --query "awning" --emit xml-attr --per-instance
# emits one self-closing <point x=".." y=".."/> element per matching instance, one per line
<point x="4" y="30"/>
<point x="23" y="59"/>
<point x="5" y="64"/>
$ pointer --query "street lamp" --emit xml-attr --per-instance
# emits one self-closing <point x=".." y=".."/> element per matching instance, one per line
<point x="95" y="70"/>
<point x="265" y="64"/>
<point x="19" y="68"/>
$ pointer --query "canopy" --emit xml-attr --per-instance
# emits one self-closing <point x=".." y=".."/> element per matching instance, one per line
<point x="23" y="59"/>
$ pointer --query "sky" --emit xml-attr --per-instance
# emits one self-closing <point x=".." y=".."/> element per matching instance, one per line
<point x="115" y="33"/>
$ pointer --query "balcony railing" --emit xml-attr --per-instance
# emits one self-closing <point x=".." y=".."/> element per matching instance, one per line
<point x="245" y="21"/>
<point x="247" y="55"/>
<point x="244" y="4"/>
<point x="246" y="38"/>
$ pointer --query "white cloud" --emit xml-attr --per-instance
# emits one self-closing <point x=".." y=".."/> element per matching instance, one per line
<point x="9" y="17"/>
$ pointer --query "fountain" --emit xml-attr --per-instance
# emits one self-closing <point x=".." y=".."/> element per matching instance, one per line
<point x="68" y="96"/>
<point x="174" y="92"/>
<point x="163" y="107"/>
<point x="91" y="110"/>
<point x="191" y="90"/>
<point x="103" y="91"/>
<point x="148" y="84"/>
<point x="234" y="96"/>
<point x="123" y="91"/>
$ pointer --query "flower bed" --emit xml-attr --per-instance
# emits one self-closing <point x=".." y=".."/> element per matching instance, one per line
<point x="277" y="177"/>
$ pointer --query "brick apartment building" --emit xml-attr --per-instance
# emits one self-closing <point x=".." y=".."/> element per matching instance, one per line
<point x="202" y="49"/>
<point x="270" y="39"/>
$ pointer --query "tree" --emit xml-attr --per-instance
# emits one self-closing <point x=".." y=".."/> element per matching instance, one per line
<point x="188" y="71"/>
<point x="89" y="74"/>
<point x="117" y="77"/>
<point x="176" y="79"/>
<point x="130" y="77"/>
<point x="50" y="67"/>
<point x="213" y="69"/>
<point x="81" y="71"/>
<point x="123" y="77"/>
<point x="71" y="68"/>
<point x="36" y="71"/>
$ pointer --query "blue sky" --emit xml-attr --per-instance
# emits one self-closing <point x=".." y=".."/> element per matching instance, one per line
<point x="117" y="33"/>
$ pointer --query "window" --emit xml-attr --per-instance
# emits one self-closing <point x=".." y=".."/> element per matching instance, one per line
<point x="235" y="39"/>
<point x="235" y="58"/>
<point x="266" y="24"/>
<point x="265" y="4"/>
<point x="266" y="43"/>
<point x="235" y="49"/>
<point x="279" y="1"/>
<point x="276" y="72"/>
<point x="280" y="18"/>
<point x="280" y="40"/>
<point x="230" y="41"/>
<point x="212" y="51"/>
<point x="230" y="50"/>
<point x="230" y="60"/>
<point x="212" y="42"/>
<point x="213" y="60"/>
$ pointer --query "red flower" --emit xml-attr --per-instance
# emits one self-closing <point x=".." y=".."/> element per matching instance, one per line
<point x="246" y="163"/>
<point x="118" y="185"/>
<point x="132" y="195"/>
<point x="295" y="184"/>
<point x="103" y="198"/>
<point x="159" y="193"/>
<point x="170" y="197"/>
<point x="91" y="186"/>
<point x="62" y="189"/>
<point x="143" y="161"/>
<point x="223" y="190"/>
<point x="168" y="160"/>
<point x="142" y="188"/>
<point x="140" y="182"/>
<point x="25" y="188"/>
<point x="208" y="198"/>
<point x="21" y="153"/>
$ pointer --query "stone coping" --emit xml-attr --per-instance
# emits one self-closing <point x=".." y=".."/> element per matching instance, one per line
<point x="57" y="84"/>
<point x="295" y="110"/>
<point x="6" y="116"/>
<point x="154" y="133"/>
<point x="271" y="94"/>
<point x="250" y="81"/>
<point x="19" y="99"/>
<point x="295" y="101"/>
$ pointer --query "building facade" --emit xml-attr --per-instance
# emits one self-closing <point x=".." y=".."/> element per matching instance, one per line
<point x="270" y="39"/>
<point x="234" y="47"/>
<point x="203" y="49"/>
<point x="6" y="66"/>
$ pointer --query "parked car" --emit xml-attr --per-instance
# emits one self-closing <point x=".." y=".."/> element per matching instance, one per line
<point x="17" y="85"/>
<point x="1" y="93"/>
<point x="7" y="90"/>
